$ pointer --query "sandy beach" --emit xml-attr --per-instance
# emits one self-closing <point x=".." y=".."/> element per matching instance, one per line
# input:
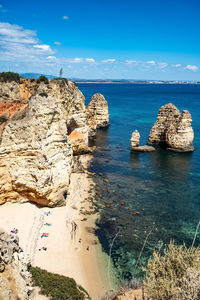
<point x="72" y="249"/>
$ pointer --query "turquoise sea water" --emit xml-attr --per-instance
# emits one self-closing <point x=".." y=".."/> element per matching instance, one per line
<point x="164" y="187"/>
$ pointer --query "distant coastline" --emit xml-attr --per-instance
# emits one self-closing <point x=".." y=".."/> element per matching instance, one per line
<point x="121" y="81"/>
<point x="138" y="82"/>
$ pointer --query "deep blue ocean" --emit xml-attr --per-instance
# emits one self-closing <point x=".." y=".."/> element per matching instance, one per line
<point x="162" y="187"/>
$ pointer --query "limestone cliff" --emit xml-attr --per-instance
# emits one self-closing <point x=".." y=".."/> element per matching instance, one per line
<point x="172" y="129"/>
<point x="97" y="113"/>
<point x="41" y="127"/>
<point x="15" y="279"/>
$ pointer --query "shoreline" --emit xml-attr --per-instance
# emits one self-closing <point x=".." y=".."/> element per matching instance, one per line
<point x="73" y="249"/>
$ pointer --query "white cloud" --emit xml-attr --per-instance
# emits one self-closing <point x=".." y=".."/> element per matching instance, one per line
<point x="178" y="65"/>
<point x="109" y="60"/>
<point x="15" y="33"/>
<point x="65" y="17"/>
<point x="21" y="45"/>
<point x="44" y="48"/>
<point x="130" y="62"/>
<point x="191" y="68"/>
<point x="90" y="60"/>
<point x="77" y="60"/>
<point x="163" y="65"/>
<point x="152" y="62"/>
<point x="57" y="43"/>
<point x="51" y="58"/>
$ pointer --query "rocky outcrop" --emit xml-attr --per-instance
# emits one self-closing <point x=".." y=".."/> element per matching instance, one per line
<point x="42" y="125"/>
<point x="135" y="140"/>
<point x="172" y="129"/>
<point x="97" y="114"/>
<point x="38" y="138"/>
<point x="15" y="279"/>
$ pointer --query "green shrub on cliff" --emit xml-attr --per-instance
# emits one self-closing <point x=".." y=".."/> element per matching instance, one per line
<point x="43" y="94"/>
<point x="9" y="76"/>
<point x="43" y="78"/>
<point x="57" y="287"/>
<point x="175" y="275"/>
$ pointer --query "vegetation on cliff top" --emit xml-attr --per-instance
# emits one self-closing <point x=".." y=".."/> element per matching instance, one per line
<point x="57" y="287"/>
<point x="43" y="78"/>
<point x="174" y="275"/>
<point x="9" y="76"/>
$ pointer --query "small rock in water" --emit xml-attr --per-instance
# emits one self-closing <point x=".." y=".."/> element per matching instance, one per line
<point x="136" y="213"/>
<point x="143" y="149"/>
<point x="105" y="181"/>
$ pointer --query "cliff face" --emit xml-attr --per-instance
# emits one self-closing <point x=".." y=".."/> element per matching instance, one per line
<point x="97" y="114"/>
<point x="40" y="129"/>
<point x="15" y="279"/>
<point x="172" y="129"/>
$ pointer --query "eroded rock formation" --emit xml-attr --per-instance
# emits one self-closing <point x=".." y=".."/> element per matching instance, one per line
<point x="172" y="129"/>
<point x="97" y="113"/>
<point x="41" y="127"/>
<point x="15" y="279"/>
<point x="135" y="141"/>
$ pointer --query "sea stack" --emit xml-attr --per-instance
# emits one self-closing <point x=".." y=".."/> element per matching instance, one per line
<point x="97" y="114"/>
<point x="135" y="141"/>
<point x="172" y="129"/>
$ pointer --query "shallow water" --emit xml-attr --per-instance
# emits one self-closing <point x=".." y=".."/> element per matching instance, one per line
<point x="159" y="193"/>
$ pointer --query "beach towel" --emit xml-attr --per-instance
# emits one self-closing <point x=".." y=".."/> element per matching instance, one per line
<point x="44" y="235"/>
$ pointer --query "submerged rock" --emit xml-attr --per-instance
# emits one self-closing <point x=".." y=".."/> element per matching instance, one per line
<point x="97" y="114"/>
<point x="172" y="129"/>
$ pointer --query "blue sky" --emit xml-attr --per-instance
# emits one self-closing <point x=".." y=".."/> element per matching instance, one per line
<point x="143" y="39"/>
